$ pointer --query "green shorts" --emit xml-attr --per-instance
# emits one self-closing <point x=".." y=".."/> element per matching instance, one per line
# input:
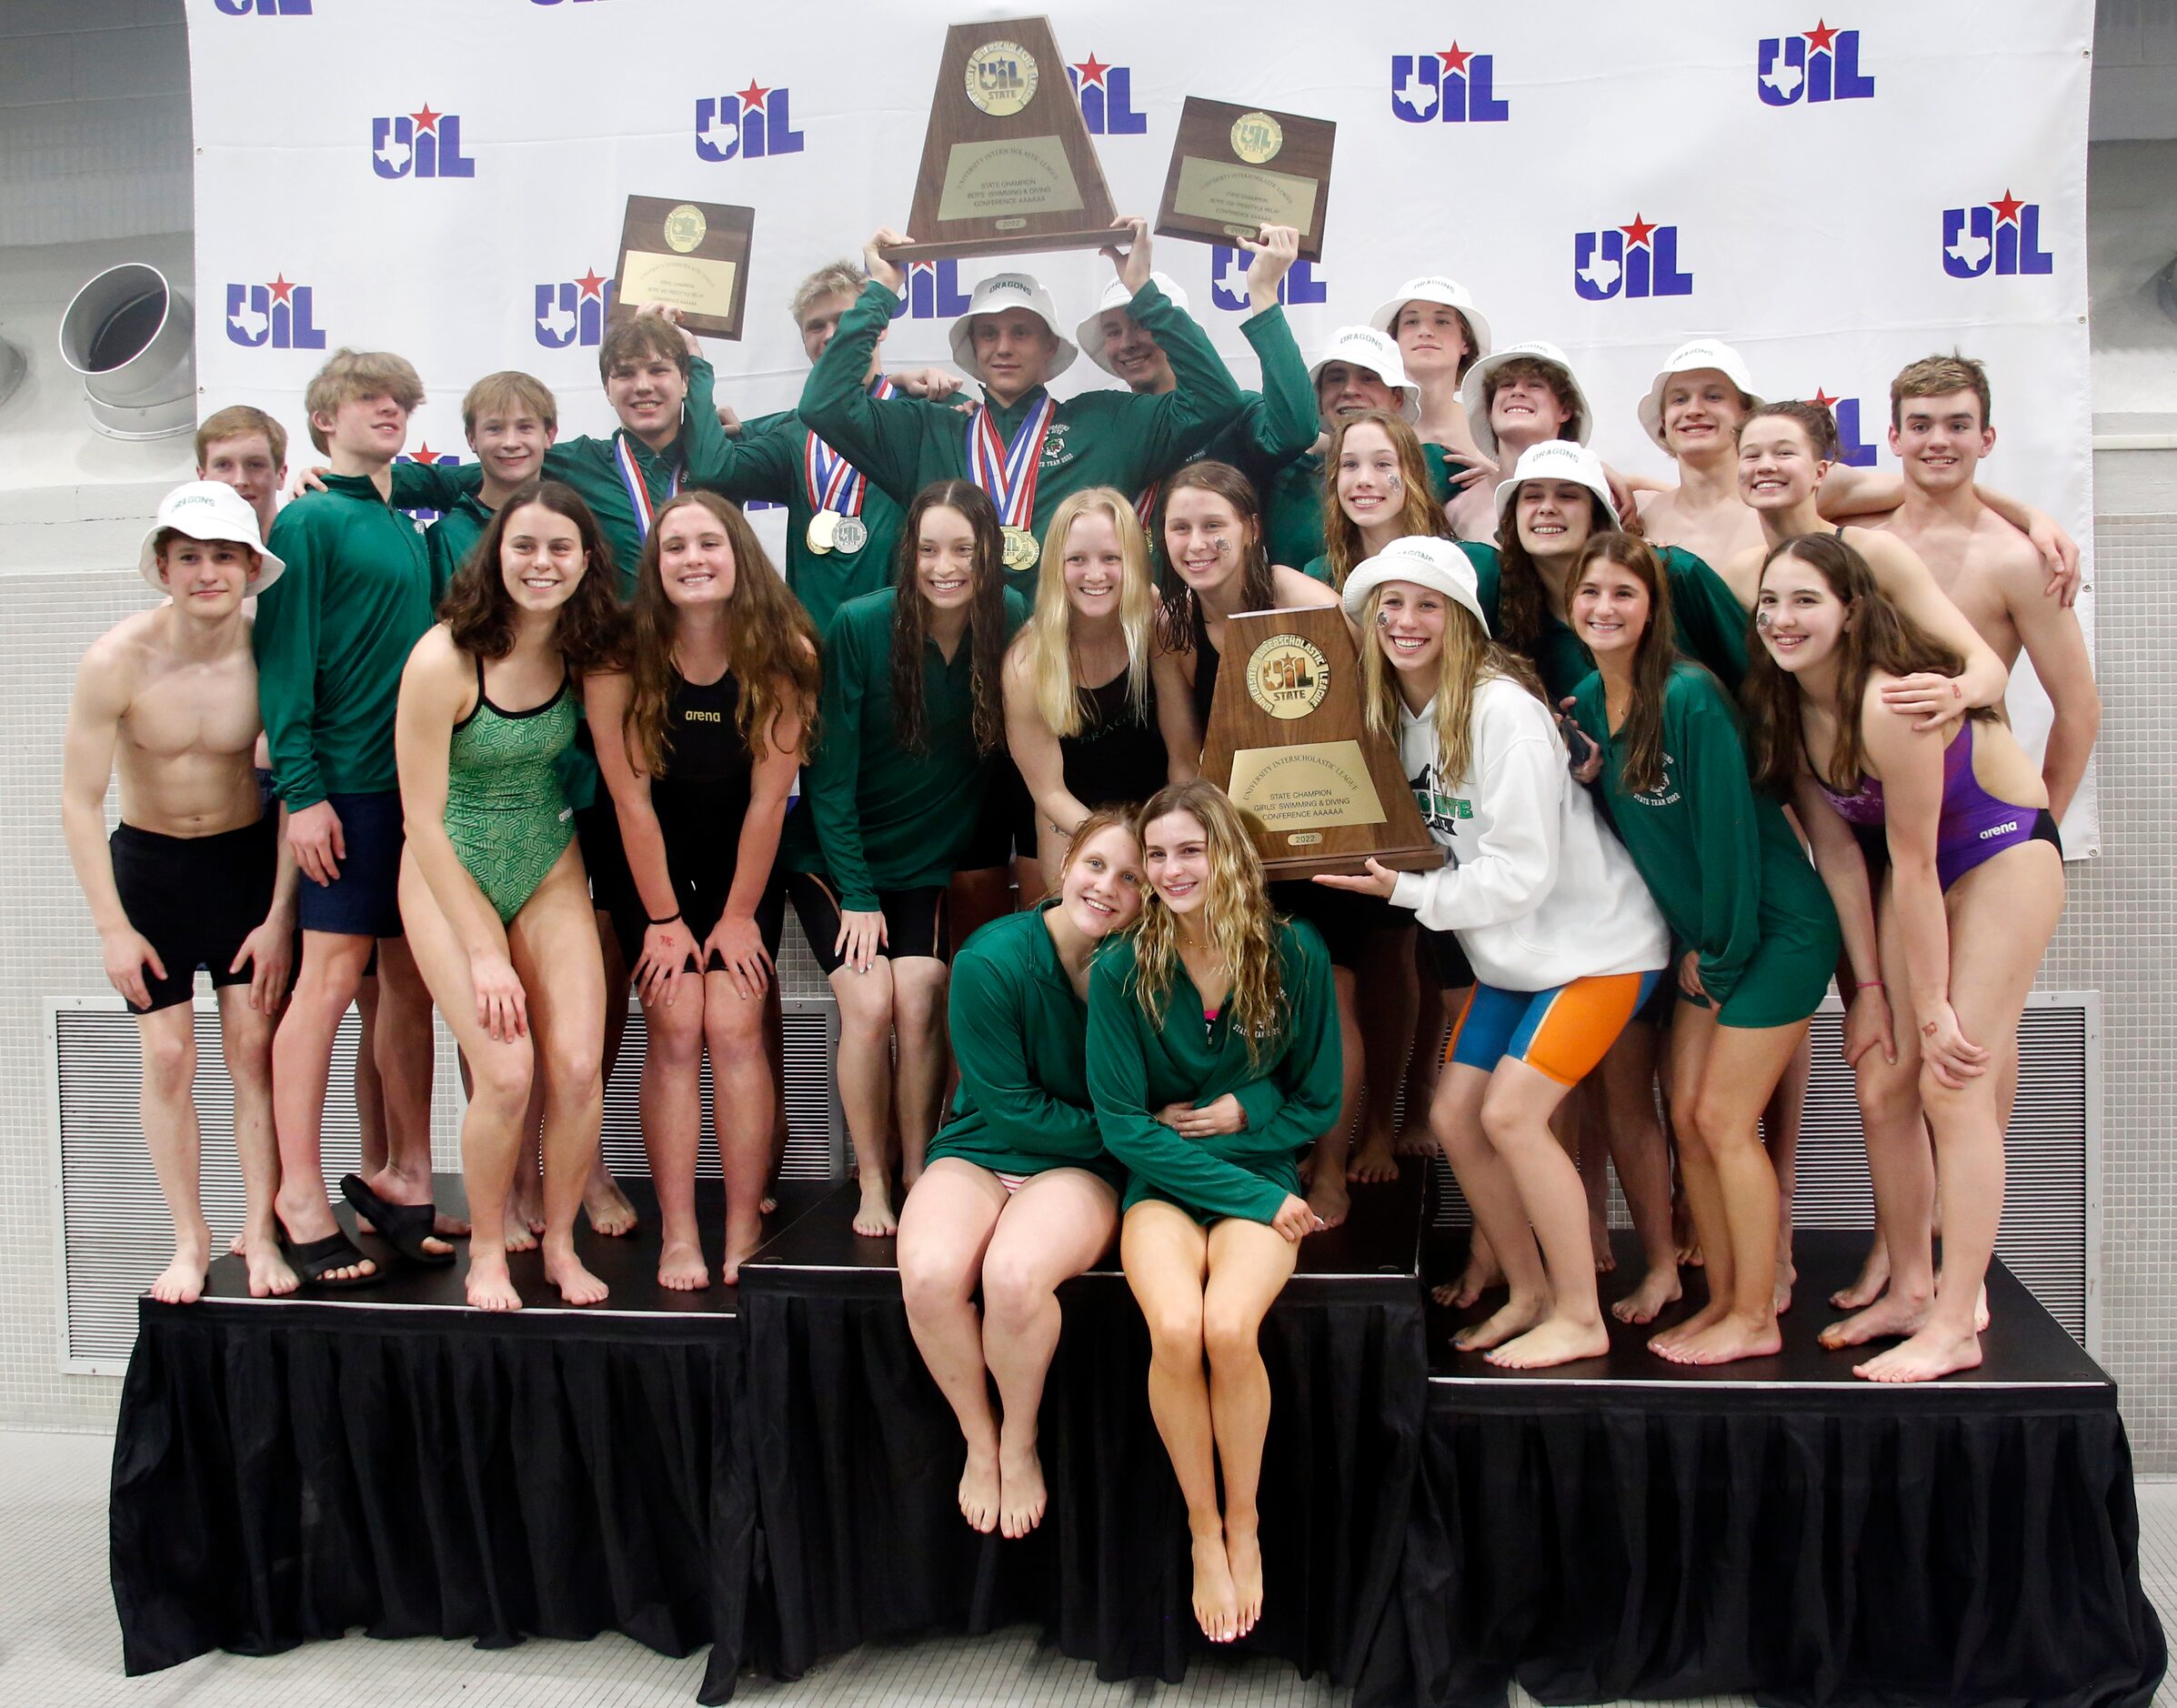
<point x="1788" y="975"/>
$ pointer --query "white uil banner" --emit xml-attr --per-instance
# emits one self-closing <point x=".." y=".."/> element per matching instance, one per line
<point x="1836" y="199"/>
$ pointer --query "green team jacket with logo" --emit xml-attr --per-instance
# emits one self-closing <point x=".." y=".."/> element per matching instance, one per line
<point x="769" y="461"/>
<point x="1139" y="1062"/>
<point x="591" y="468"/>
<point x="1442" y="466"/>
<point x="452" y="538"/>
<point x="873" y="815"/>
<point x="1098" y="438"/>
<point x="1277" y="426"/>
<point x="1723" y="866"/>
<point x="331" y="637"/>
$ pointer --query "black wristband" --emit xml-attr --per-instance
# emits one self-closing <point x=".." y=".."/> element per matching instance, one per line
<point x="668" y="919"/>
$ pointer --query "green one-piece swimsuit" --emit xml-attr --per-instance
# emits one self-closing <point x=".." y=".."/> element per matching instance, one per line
<point x="506" y="813"/>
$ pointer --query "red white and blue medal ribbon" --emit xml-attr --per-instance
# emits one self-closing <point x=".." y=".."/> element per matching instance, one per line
<point x="1007" y="472"/>
<point x="638" y="490"/>
<point x="1145" y="502"/>
<point x="834" y="483"/>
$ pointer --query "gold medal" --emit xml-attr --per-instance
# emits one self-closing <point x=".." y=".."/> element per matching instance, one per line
<point x="821" y="528"/>
<point x="851" y="536"/>
<point x="1021" y="550"/>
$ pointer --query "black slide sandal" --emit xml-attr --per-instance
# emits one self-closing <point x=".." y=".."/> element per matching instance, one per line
<point x="312" y="1259"/>
<point x="404" y="1226"/>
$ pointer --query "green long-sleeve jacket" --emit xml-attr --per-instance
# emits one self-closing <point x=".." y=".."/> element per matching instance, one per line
<point x="873" y="815"/>
<point x="1139" y="1062"/>
<point x="1441" y="468"/>
<point x="1100" y="439"/>
<point x="452" y="538"/>
<point x="1721" y="863"/>
<point x="1021" y="1037"/>
<point x="1277" y="426"/>
<point x="702" y="454"/>
<point x="332" y="635"/>
<point x="770" y="462"/>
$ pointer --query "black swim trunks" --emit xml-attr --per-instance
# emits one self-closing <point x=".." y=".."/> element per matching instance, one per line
<point x="195" y="898"/>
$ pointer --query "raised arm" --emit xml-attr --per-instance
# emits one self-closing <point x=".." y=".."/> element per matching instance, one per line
<point x="1163" y="432"/>
<point x="1283" y="422"/>
<point x="882" y="437"/>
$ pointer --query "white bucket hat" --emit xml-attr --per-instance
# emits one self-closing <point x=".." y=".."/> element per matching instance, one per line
<point x="1364" y="346"/>
<point x="1435" y="288"/>
<point x="1090" y="332"/>
<point x="1685" y="359"/>
<point x="1001" y="291"/>
<point x="1558" y="459"/>
<point x="207" y="509"/>
<point x="1475" y="393"/>
<point x="1423" y="560"/>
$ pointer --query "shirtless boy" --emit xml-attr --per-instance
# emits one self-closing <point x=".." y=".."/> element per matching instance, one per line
<point x="195" y="874"/>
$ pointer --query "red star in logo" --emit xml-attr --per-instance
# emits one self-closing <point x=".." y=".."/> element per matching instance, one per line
<point x="2007" y="209"/>
<point x="1092" y="70"/>
<point x="1636" y="233"/>
<point x="1821" y="399"/>
<point x="592" y="286"/>
<point x="427" y="119"/>
<point x="752" y="98"/>
<point x="425" y="454"/>
<point x="1820" y="38"/>
<point x="1454" y="57"/>
<point x="281" y="286"/>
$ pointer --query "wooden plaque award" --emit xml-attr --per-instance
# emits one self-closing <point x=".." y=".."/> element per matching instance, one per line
<point x="690" y="256"/>
<point x="1007" y="165"/>
<point x="1235" y="169"/>
<point x="1287" y="742"/>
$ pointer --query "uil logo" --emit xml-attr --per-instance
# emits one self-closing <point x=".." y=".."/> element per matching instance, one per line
<point x="1107" y="96"/>
<point x="751" y="125"/>
<point x="1852" y="448"/>
<point x="1288" y="675"/>
<point x="573" y="310"/>
<point x="1636" y="260"/>
<point x="275" y="317"/>
<point x="933" y="292"/>
<point x="1453" y="86"/>
<point x="422" y="145"/>
<point x="424" y="455"/>
<point x="263" y="8"/>
<point x="2002" y="238"/>
<point x="1817" y="65"/>
<point x="1229" y="281"/>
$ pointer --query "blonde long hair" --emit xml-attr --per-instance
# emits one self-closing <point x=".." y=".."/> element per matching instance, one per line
<point x="1046" y="640"/>
<point x="1242" y="926"/>
<point x="1419" y="512"/>
<point x="1468" y="659"/>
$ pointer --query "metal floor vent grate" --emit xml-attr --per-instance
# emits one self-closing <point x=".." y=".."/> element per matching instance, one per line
<point x="2051" y="1237"/>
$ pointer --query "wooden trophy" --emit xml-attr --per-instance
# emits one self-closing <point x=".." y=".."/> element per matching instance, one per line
<point x="1007" y="165"/>
<point x="690" y="256"/>
<point x="1235" y="169"/>
<point x="1287" y="742"/>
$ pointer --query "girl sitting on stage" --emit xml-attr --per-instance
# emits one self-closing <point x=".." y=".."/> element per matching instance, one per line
<point x="1019" y="1193"/>
<point x="1972" y="896"/>
<point x="494" y="898"/>
<point x="1564" y="941"/>
<point x="1096" y="711"/>
<point x="1759" y="934"/>
<point x="699" y="740"/>
<point x="909" y="729"/>
<point x="1213" y="1059"/>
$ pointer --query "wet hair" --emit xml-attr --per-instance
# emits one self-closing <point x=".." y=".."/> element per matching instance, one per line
<point x="239" y="420"/>
<point x="479" y="612"/>
<point x="986" y="635"/>
<point x="1814" y="421"/>
<point x="1257" y="586"/>
<point x="1046" y="640"/>
<point x="641" y="336"/>
<point x="1419" y="512"/>
<point x="771" y="644"/>
<point x="1522" y="601"/>
<point x="1235" y="914"/>
<point x="352" y="374"/>
<point x="507" y="392"/>
<point x="1932" y="377"/>
<point x="1655" y="653"/>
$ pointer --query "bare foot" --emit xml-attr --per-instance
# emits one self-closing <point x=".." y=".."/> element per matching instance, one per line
<point x="1657" y="1288"/>
<point x="874" y="1219"/>
<point x="1725" y="1340"/>
<point x="238" y="1246"/>
<point x="403" y="1189"/>
<point x="521" y="1233"/>
<point x="1216" y="1596"/>
<point x="1480" y="1274"/>
<point x="1889" y="1315"/>
<point x="1933" y="1351"/>
<point x="979" y="1490"/>
<point x="1599" y="1237"/>
<point x="1518" y="1317"/>
<point x="1329" y="1199"/>
<point x="1708" y="1316"/>
<point x="1415" y="1140"/>
<point x="525" y="1207"/>
<point x="681" y="1268"/>
<point x="1554" y="1341"/>
<point x="770" y="1204"/>
<point x="1873" y="1277"/>
<point x="606" y="1206"/>
<point x="449" y="1226"/>
<point x="181" y="1283"/>
<point x="1786" y="1278"/>
<point x="576" y="1285"/>
<point x="1022" y="1494"/>
<point x="490" y="1288"/>
<point x="1372" y="1164"/>
<point x="743" y="1235"/>
<point x="269" y="1275"/>
<point x="310" y="1219"/>
<point x="1683" y="1235"/>
<point x="1980" y="1311"/>
<point x="1243" y="1553"/>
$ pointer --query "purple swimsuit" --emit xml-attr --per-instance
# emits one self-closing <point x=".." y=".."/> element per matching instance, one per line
<point x="1974" y="826"/>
